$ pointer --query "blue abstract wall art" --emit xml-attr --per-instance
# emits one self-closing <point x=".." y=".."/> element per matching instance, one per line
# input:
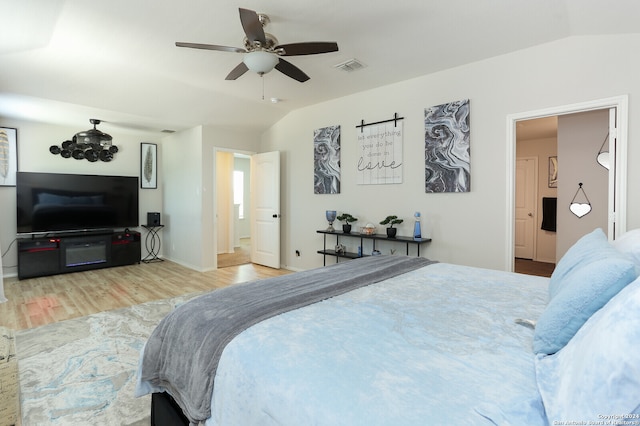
<point x="446" y="147"/>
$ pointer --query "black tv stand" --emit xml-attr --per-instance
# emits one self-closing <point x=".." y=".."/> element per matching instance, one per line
<point x="63" y="253"/>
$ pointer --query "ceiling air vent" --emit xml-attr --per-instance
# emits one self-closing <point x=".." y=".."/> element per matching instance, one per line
<point x="350" y="65"/>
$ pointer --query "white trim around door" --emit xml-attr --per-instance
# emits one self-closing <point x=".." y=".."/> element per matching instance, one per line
<point x="617" y="205"/>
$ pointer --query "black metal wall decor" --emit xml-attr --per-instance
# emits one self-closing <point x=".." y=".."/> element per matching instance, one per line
<point x="577" y="208"/>
<point x="91" y="145"/>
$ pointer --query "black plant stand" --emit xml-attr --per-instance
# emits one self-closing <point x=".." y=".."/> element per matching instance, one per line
<point x="374" y="237"/>
<point x="152" y="243"/>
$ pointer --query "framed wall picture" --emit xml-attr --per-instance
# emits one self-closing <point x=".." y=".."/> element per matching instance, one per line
<point x="148" y="165"/>
<point x="447" y="147"/>
<point x="8" y="156"/>
<point x="553" y="172"/>
<point x="326" y="160"/>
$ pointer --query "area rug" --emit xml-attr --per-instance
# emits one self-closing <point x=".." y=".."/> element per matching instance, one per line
<point x="83" y="371"/>
<point x="9" y="394"/>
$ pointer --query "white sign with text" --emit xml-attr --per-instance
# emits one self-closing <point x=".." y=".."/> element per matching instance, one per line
<point x="380" y="153"/>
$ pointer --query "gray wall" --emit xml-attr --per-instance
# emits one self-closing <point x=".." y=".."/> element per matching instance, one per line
<point x="579" y="139"/>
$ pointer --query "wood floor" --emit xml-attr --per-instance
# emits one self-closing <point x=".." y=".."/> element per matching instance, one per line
<point x="240" y="256"/>
<point x="39" y="301"/>
<point x="531" y="267"/>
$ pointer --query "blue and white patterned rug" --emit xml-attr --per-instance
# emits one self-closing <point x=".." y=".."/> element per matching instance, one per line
<point x="82" y="371"/>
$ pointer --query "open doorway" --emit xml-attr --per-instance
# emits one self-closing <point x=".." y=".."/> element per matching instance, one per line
<point x="233" y="177"/>
<point x="536" y="196"/>
<point x="612" y="208"/>
<point x="570" y="143"/>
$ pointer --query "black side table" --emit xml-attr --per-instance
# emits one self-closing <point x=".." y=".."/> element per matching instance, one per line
<point x="152" y="243"/>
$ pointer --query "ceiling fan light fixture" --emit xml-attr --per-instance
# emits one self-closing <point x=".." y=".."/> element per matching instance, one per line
<point x="260" y="62"/>
<point x="262" y="51"/>
<point x="93" y="135"/>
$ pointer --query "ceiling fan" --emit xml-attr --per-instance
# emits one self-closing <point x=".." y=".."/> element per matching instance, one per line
<point x="262" y="51"/>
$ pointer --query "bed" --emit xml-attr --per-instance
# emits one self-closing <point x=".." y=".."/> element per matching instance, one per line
<point x="428" y="343"/>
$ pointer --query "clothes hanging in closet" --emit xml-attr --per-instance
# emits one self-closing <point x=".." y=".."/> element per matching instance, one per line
<point x="549" y="209"/>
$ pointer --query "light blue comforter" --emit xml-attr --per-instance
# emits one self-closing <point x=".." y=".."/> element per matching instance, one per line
<point x="438" y="345"/>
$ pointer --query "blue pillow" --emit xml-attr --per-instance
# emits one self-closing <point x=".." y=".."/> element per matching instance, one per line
<point x="629" y="243"/>
<point x="586" y="249"/>
<point x="598" y="372"/>
<point x="584" y="290"/>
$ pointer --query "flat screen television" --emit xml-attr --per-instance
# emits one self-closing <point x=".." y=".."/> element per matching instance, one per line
<point x="56" y="202"/>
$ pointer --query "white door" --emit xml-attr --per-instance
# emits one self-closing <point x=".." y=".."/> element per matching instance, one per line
<point x="265" y="209"/>
<point x="525" y="205"/>
<point x="613" y="159"/>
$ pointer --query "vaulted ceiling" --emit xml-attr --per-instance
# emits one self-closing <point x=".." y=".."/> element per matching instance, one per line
<point x="65" y="61"/>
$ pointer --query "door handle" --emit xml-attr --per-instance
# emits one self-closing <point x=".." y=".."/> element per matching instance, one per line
<point x="530" y="214"/>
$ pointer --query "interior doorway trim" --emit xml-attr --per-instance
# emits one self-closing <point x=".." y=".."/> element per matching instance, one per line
<point x="621" y="104"/>
<point x="214" y="184"/>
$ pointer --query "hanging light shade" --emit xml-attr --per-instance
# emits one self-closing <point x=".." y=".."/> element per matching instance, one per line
<point x="580" y="208"/>
<point x="260" y="62"/>
<point x="93" y="136"/>
<point x="603" y="154"/>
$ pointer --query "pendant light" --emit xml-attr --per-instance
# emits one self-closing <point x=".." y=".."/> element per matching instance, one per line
<point x="577" y="208"/>
<point x="260" y="61"/>
<point x="603" y="154"/>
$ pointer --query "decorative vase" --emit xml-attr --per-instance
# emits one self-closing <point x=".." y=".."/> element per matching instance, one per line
<point x="346" y="228"/>
<point x="391" y="232"/>
<point x="417" y="233"/>
<point x="331" y="216"/>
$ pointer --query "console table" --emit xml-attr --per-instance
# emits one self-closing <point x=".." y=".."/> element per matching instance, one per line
<point x="373" y="237"/>
<point x="152" y="243"/>
<point x="63" y="253"/>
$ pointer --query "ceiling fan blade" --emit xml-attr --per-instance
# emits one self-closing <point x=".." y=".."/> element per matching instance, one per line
<point x="252" y="26"/>
<point x="308" y="48"/>
<point x="210" y="47"/>
<point x="237" y="71"/>
<point x="291" y="70"/>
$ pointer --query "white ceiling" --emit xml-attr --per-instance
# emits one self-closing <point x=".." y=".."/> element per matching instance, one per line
<point x="67" y="61"/>
<point x="538" y="128"/>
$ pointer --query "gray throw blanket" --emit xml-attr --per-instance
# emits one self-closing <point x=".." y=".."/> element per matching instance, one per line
<point x="182" y="353"/>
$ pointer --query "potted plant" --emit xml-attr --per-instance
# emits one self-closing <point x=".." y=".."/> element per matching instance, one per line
<point x="391" y="220"/>
<point x="347" y="218"/>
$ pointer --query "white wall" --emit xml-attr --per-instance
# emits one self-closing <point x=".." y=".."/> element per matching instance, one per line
<point x="467" y="228"/>
<point x="183" y="193"/>
<point x="244" y="165"/>
<point x="224" y="201"/>
<point x="184" y="196"/>
<point x="34" y="140"/>
<point x="189" y="186"/>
